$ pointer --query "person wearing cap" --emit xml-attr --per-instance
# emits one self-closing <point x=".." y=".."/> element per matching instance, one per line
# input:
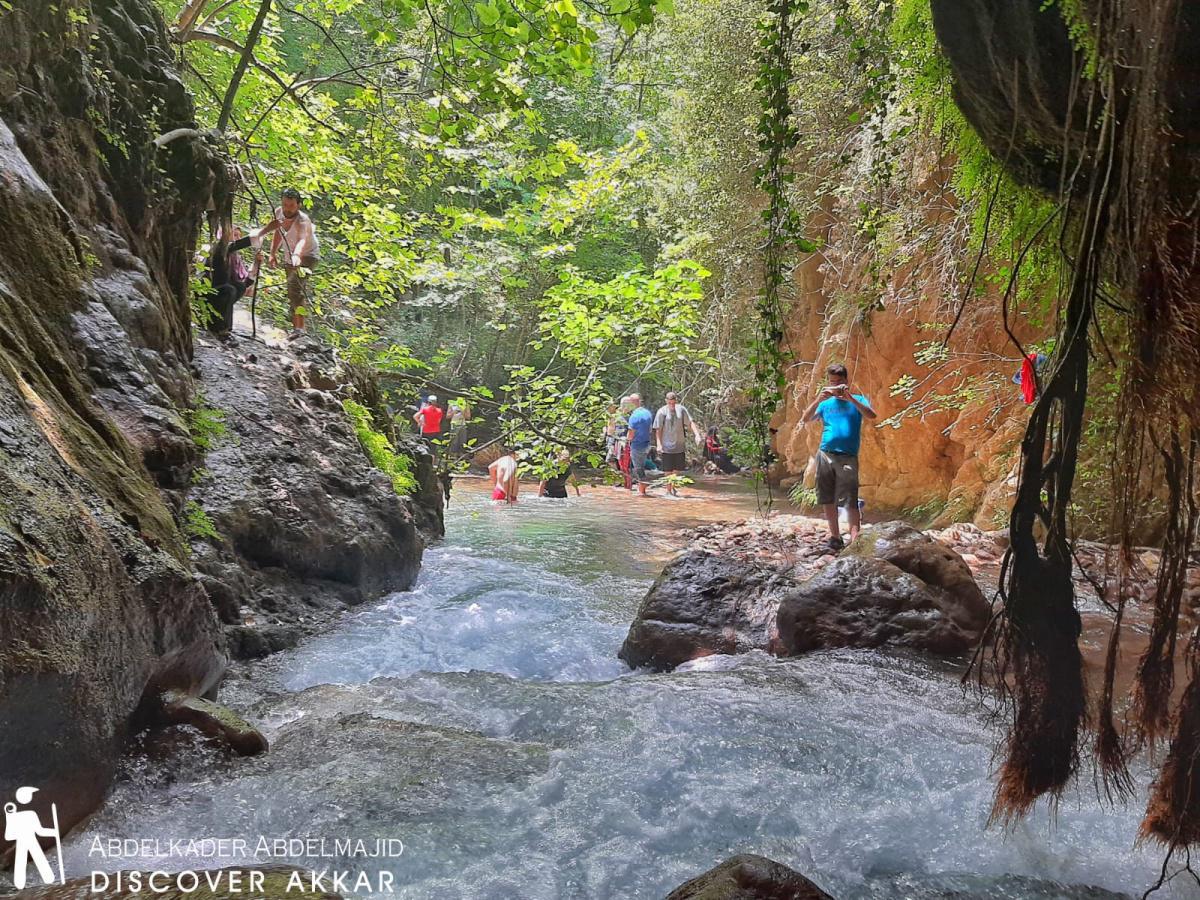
<point x="429" y="418"/>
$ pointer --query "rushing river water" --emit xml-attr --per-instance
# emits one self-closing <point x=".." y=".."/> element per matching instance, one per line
<point x="484" y="720"/>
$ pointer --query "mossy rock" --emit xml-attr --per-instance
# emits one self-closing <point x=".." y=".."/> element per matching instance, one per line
<point x="216" y="721"/>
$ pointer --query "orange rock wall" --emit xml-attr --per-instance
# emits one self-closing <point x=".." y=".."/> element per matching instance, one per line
<point x="873" y="306"/>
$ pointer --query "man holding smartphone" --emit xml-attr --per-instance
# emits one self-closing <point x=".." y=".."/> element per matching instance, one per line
<point x="841" y="413"/>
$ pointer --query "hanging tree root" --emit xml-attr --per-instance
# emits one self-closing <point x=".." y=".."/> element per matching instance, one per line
<point x="1156" y="669"/>
<point x="1173" y="814"/>
<point x="1036" y="641"/>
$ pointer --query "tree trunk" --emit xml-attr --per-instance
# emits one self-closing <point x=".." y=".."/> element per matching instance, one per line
<point x="243" y="63"/>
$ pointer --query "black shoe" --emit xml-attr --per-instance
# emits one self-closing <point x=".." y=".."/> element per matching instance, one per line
<point x="835" y="544"/>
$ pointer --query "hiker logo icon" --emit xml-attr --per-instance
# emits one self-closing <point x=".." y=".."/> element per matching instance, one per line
<point x="24" y="828"/>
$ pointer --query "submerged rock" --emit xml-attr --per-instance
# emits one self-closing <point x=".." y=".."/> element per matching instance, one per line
<point x="748" y="876"/>
<point x="215" y="721"/>
<point x="702" y="604"/>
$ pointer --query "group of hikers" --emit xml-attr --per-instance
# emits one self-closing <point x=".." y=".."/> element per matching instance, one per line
<point x="638" y="443"/>
<point x="294" y="248"/>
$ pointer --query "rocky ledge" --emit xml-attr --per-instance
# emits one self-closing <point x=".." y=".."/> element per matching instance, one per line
<point x="773" y="584"/>
<point x="290" y="522"/>
<point x="161" y="499"/>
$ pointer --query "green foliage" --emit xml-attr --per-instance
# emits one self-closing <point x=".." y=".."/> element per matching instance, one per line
<point x="672" y="481"/>
<point x="803" y="497"/>
<point x="744" y="446"/>
<point x="203" y="312"/>
<point x="777" y="139"/>
<point x="196" y="522"/>
<point x="483" y="193"/>
<point x="379" y="450"/>
<point x="924" y="513"/>
<point x="206" y="424"/>
<point x="524" y="201"/>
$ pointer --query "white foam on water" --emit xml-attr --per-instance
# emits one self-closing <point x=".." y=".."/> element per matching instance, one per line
<point x="870" y="772"/>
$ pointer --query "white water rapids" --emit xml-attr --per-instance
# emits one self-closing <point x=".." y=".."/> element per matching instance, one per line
<point x="484" y="720"/>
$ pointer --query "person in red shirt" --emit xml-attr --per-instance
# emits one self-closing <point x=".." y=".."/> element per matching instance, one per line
<point x="429" y="418"/>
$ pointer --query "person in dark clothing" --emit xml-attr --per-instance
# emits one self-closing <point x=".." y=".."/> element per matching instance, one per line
<point x="715" y="453"/>
<point x="229" y="277"/>
<point x="556" y="485"/>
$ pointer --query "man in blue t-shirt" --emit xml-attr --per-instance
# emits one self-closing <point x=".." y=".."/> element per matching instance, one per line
<point x="841" y="413"/>
<point x="641" y="422"/>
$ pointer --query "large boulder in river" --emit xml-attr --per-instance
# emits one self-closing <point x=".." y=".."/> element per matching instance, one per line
<point x="749" y="877"/>
<point x="704" y="603"/>
<point x="305" y="526"/>
<point x="918" y="554"/>
<point x="894" y="586"/>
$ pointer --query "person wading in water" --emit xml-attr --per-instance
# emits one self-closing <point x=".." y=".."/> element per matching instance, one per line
<point x="841" y="413"/>
<point x="641" y="424"/>
<point x="670" y="437"/>
<point x="505" y="484"/>
<point x="556" y="485"/>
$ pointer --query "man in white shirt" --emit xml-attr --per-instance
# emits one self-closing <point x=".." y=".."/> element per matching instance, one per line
<point x="670" y="436"/>
<point x="298" y="237"/>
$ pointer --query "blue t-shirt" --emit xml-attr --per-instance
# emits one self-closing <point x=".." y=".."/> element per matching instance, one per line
<point x="640" y="423"/>
<point x="843" y="424"/>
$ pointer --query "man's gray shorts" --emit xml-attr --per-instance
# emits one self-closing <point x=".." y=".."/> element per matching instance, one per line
<point x="837" y="479"/>
<point x="637" y="462"/>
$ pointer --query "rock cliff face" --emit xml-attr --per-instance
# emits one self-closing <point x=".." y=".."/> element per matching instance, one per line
<point x="305" y="526"/>
<point x="104" y="606"/>
<point x="945" y="447"/>
<point x="99" y="609"/>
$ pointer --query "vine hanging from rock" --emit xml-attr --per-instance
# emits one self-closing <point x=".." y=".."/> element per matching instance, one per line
<point x="777" y="139"/>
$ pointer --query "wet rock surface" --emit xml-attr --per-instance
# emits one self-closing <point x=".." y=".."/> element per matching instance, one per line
<point x="704" y="603"/>
<point x="99" y="609"/>
<point x="306" y="526"/>
<point x="748" y="876"/>
<point x="933" y="562"/>
<point x="774" y="585"/>
<point x="214" y="721"/>
<point x="865" y="602"/>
